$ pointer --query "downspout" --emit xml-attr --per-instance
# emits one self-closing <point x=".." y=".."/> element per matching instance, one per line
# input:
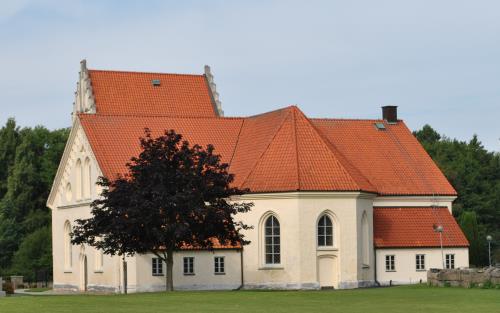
<point x="241" y="265"/>
<point x="375" y="266"/>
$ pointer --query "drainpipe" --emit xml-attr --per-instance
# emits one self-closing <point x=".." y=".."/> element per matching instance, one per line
<point x="241" y="265"/>
<point x="375" y="266"/>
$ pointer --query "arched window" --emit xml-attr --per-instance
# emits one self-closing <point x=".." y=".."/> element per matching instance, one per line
<point x="68" y="263"/>
<point x="365" y="238"/>
<point x="86" y="179"/>
<point x="325" y="231"/>
<point x="272" y="240"/>
<point x="78" y="185"/>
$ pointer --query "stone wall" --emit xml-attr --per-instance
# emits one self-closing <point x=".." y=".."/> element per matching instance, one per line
<point x="464" y="277"/>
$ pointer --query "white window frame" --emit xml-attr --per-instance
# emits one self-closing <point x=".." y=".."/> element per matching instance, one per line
<point x="419" y="262"/>
<point x="450" y="261"/>
<point x="390" y="263"/>
<point x="324" y="237"/>
<point x="275" y="241"/>
<point x="219" y="265"/>
<point x="188" y="265"/>
<point x="156" y="267"/>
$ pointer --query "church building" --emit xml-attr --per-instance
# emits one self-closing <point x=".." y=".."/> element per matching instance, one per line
<point x="338" y="203"/>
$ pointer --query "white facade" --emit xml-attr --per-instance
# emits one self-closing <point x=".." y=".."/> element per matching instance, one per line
<point x="405" y="265"/>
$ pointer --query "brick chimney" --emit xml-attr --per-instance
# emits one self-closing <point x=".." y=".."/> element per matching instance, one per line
<point x="390" y="113"/>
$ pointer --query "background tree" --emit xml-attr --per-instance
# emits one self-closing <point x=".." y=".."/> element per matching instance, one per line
<point x="475" y="174"/>
<point x="28" y="162"/>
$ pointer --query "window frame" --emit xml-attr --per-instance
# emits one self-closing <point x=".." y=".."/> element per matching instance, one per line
<point x="420" y="262"/>
<point x="321" y="232"/>
<point x="188" y="268"/>
<point x="157" y="267"/>
<point x="275" y="239"/>
<point x="449" y="261"/>
<point x="219" y="265"/>
<point x="390" y="262"/>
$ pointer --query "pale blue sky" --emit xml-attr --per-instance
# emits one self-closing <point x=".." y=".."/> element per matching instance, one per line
<point x="439" y="61"/>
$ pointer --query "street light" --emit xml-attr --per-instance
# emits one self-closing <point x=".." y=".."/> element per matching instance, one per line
<point x="440" y="229"/>
<point x="489" y="239"/>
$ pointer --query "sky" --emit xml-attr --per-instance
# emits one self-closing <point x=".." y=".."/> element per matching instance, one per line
<point x="438" y="61"/>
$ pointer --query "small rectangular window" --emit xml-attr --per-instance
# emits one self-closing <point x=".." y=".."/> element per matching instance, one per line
<point x="420" y="262"/>
<point x="157" y="266"/>
<point x="189" y="266"/>
<point x="219" y="265"/>
<point x="450" y="261"/>
<point x="390" y="263"/>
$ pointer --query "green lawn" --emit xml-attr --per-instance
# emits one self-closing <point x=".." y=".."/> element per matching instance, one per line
<point x="397" y="299"/>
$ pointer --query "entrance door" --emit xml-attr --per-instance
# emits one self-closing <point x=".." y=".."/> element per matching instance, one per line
<point x="327" y="271"/>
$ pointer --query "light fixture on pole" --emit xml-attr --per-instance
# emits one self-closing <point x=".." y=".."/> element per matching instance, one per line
<point x="489" y="239"/>
<point x="440" y="229"/>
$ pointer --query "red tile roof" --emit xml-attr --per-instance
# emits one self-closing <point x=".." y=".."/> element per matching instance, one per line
<point x="132" y="93"/>
<point x="391" y="159"/>
<point x="273" y="152"/>
<point x="405" y="227"/>
<point x="283" y="150"/>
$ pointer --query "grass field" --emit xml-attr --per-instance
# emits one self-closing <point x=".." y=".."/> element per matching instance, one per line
<point x="406" y="299"/>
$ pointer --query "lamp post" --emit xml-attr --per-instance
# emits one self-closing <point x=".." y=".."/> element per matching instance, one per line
<point x="489" y="239"/>
<point x="440" y="229"/>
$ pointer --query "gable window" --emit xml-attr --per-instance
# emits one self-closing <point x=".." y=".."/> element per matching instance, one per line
<point x="450" y="261"/>
<point x="78" y="185"/>
<point x="420" y="262"/>
<point x="188" y="265"/>
<point x="325" y="232"/>
<point x="390" y="263"/>
<point x="272" y="240"/>
<point x="219" y="265"/>
<point x="156" y="267"/>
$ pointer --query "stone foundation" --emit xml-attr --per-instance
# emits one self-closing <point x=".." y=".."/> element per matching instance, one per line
<point x="464" y="277"/>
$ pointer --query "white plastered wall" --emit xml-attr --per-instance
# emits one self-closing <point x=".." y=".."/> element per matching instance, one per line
<point x="405" y="263"/>
<point x="298" y="214"/>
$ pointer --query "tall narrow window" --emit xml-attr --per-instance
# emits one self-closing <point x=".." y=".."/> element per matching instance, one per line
<point x="390" y="263"/>
<point x="219" y="265"/>
<point x="450" y="261"/>
<point x="67" y="246"/>
<point x="365" y="234"/>
<point x="325" y="232"/>
<point x="272" y="240"/>
<point x="420" y="262"/>
<point x="188" y="266"/>
<point x="156" y="267"/>
<point x="78" y="185"/>
<point x="86" y="181"/>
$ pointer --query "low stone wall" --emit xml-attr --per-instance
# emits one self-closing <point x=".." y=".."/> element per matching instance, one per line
<point x="464" y="277"/>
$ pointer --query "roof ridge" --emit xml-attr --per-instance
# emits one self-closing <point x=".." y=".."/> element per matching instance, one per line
<point x="348" y="119"/>
<point x="296" y="150"/>
<point x="163" y="116"/>
<point x="287" y="108"/>
<point x="259" y="159"/>
<point x="142" y="72"/>
<point x="335" y="153"/>
<point x="236" y="145"/>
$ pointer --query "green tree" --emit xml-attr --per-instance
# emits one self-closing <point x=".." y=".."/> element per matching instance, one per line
<point x="475" y="173"/>
<point x="34" y="253"/>
<point x="468" y="223"/>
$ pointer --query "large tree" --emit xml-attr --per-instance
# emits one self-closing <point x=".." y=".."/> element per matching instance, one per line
<point x="475" y="174"/>
<point x="174" y="196"/>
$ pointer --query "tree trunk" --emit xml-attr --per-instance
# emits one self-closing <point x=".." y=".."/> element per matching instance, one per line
<point x="124" y="275"/>
<point x="170" y="265"/>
